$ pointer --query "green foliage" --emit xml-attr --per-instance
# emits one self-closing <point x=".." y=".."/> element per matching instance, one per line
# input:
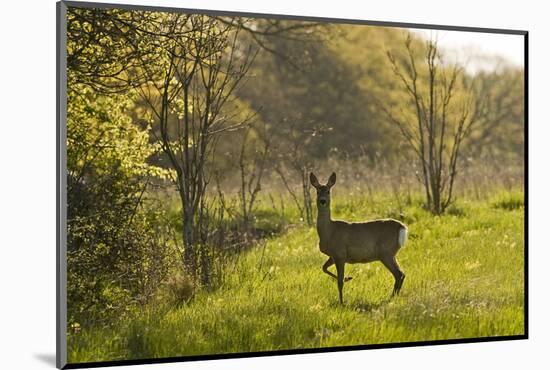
<point x="464" y="280"/>
<point x="317" y="102"/>
<point x="501" y="133"/>
<point x="116" y="259"/>
<point x="104" y="45"/>
<point x="101" y="136"/>
<point x="117" y="252"/>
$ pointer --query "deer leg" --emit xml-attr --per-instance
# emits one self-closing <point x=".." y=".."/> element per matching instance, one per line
<point x="329" y="263"/>
<point x="340" y="272"/>
<point x="392" y="265"/>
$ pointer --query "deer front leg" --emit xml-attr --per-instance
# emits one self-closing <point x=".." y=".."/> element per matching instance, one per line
<point x="340" y="271"/>
<point x="329" y="263"/>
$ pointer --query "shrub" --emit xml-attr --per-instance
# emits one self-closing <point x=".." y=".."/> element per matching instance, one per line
<point x="180" y="288"/>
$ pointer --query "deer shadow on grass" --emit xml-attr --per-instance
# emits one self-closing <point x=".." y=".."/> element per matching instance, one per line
<point x="367" y="307"/>
<point x="361" y="306"/>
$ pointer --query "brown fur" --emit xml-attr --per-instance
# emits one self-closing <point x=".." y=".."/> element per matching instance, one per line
<point x="359" y="242"/>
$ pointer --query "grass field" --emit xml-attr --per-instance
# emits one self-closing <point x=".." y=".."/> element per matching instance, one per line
<point x="464" y="279"/>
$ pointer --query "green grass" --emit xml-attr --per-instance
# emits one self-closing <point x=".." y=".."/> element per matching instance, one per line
<point x="508" y="200"/>
<point x="464" y="279"/>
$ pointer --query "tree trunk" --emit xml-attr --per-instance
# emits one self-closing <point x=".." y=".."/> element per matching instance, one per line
<point x="189" y="242"/>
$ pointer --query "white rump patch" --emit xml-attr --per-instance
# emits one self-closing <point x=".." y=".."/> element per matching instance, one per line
<point x="403" y="233"/>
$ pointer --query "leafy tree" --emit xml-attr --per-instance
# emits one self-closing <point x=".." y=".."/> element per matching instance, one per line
<point x="117" y="253"/>
<point x="193" y="79"/>
<point x="500" y="130"/>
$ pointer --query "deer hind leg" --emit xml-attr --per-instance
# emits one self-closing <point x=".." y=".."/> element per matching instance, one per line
<point x="329" y="263"/>
<point x="398" y="274"/>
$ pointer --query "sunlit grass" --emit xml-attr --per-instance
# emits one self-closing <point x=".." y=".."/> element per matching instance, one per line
<point x="464" y="279"/>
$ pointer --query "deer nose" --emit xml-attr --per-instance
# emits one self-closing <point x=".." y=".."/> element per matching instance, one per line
<point x="322" y="201"/>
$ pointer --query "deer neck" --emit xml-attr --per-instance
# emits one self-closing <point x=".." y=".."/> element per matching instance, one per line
<point x="323" y="222"/>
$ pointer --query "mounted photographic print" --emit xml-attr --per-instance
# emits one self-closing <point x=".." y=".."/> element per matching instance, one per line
<point x="234" y="185"/>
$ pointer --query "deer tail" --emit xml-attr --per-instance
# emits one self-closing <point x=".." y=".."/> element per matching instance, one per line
<point x="402" y="238"/>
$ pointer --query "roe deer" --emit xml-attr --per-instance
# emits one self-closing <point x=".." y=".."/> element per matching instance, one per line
<point x="361" y="242"/>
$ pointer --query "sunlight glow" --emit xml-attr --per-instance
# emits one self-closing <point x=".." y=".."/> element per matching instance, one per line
<point x="478" y="50"/>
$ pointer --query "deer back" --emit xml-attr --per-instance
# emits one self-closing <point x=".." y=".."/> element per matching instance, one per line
<point x="362" y="241"/>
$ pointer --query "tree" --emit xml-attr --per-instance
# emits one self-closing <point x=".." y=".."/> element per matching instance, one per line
<point x="499" y="132"/>
<point x="253" y="159"/>
<point x="105" y="47"/>
<point x="295" y="161"/>
<point x="196" y="74"/>
<point x="439" y="116"/>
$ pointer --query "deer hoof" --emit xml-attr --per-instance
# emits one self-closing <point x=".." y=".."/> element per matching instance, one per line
<point x="348" y="278"/>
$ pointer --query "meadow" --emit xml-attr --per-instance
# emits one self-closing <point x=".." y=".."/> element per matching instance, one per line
<point x="464" y="279"/>
<point x="190" y="206"/>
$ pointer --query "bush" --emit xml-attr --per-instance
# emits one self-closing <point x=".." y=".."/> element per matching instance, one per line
<point x="180" y="288"/>
<point x="117" y="248"/>
<point x="118" y="253"/>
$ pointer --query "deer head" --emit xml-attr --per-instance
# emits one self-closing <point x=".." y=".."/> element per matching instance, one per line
<point x="323" y="191"/>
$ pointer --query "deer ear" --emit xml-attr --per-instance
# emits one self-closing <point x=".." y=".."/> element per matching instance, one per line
<point x="313" y="180"/>
<point x="331" y="180"/>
